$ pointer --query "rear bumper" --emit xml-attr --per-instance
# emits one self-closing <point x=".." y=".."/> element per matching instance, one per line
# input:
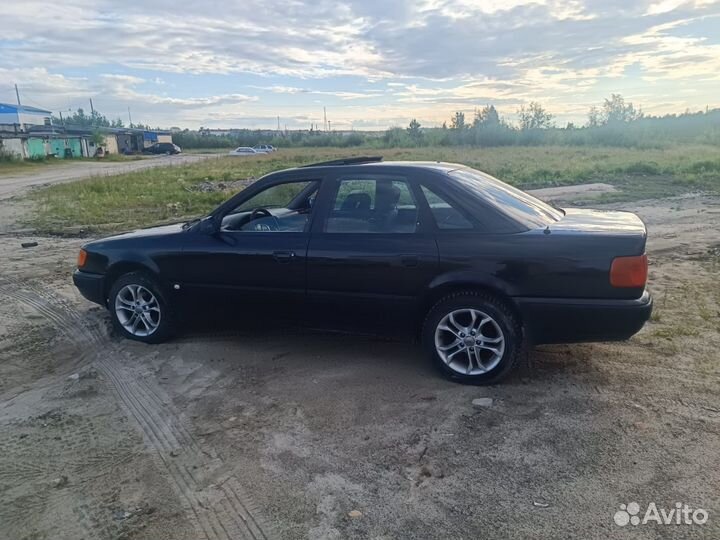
<point x="572" y="320"/>
<point x="91" y="286"/>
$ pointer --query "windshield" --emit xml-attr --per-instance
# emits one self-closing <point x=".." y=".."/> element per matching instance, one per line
<point x="513" y="202"/>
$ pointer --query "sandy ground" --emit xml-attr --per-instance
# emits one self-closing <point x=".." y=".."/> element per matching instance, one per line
<point x="569" y="192"/>
<point x="17" y="183"/>
<point x="247" y="434"/>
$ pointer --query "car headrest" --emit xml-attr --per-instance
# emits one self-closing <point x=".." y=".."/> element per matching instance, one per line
<point x="387" y="197"/>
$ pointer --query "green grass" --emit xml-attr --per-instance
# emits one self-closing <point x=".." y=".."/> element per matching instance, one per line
<point x="166" y="194"/>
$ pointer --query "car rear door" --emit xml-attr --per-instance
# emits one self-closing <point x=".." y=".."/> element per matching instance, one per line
<point x="370" y="256"/>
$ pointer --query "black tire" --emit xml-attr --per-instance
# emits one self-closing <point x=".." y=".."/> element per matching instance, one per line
<point x="166" y="325"/>
<point x="500" y="313"/>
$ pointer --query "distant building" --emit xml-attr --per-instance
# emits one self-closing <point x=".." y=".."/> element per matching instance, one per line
<point x="28" y="133"/>
<point x="19" y="118"/>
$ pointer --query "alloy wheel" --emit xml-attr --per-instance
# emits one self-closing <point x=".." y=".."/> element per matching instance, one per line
<point x="137" y="310"/>
<point x="469" y="341"/>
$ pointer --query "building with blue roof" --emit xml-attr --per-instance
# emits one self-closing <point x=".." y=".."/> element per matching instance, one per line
<point x="21" y="117"/>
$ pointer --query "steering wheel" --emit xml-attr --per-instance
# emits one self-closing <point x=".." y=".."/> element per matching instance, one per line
<point x="264" y="212"/>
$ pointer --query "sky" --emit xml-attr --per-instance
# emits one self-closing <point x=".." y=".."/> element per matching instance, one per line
<point x="372" y="64"/>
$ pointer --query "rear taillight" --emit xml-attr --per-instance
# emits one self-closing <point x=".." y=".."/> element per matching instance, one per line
<point x="82" y="258"/>
<point x="629" y="271"/>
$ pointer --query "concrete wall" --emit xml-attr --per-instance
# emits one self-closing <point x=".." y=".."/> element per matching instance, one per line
<point x="111" y="145"/>
<point x="14" y="146"/>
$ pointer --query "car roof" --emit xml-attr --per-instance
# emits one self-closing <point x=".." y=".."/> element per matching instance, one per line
<point x="377" y="166"/>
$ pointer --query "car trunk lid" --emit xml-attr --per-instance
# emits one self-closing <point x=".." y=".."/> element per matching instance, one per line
<point x="600" y="222"/>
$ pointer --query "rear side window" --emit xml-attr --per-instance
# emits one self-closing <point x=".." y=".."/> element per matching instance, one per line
<point x="446" y="215"/>
<point x="373" y="205"/>
<point x="518" y="205"/>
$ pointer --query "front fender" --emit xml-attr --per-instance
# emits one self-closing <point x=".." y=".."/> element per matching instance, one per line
<point x="132" y="259"/>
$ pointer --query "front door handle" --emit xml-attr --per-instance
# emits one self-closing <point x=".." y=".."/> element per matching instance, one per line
<point x="283" y="256"/>
<point x="409" y="260"/>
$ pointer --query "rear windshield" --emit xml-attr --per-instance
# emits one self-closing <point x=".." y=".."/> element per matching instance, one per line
<point x="514" y="203"/>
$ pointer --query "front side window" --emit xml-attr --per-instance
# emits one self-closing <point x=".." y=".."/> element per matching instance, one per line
<point x="283" y="207"/>
<point x="373" y="205"/>
<point x="446" y="216"/>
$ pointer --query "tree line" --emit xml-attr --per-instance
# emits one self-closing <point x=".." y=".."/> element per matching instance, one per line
<point x="614" y="111"/>
<point x="615" y="122"/>
<point x="79" y="118"/>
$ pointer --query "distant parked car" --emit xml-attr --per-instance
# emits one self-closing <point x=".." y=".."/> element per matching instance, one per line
<point x="244" y="151"/>
<point x="473" y="266"/>
<point x="163" y="148"/>
<point x="266" y="148"/>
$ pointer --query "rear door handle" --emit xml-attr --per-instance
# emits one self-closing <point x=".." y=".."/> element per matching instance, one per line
<point x="283" y="256"/>
<point x="409" y="260"/>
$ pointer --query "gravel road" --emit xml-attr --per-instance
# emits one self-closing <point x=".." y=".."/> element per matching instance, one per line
<point x="16" y="184"/>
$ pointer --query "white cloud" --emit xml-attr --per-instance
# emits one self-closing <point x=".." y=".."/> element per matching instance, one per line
<point x="414" y="57"/>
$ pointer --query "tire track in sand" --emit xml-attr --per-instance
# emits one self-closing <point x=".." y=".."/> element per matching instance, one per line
<point x="222" y="511"/>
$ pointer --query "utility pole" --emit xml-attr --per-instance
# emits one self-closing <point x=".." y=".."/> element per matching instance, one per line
<point x="325" y="124"/>
<point x="129" y="117"/>
<point x="92" y="109"/>
<point x="17" y="94"/>
<point x="62" y="120"/>
<point x="329" y="125"/>
<point x="278" y="122"/>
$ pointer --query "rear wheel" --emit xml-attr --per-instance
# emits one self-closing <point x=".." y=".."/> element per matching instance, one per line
<point x="138" y="308"/>
<point x="472" y="337"/>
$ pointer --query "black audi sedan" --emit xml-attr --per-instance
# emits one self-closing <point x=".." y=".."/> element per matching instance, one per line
<point x="478" y="268"/>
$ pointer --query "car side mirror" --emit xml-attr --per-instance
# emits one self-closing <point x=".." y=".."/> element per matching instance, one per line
<point x="208" y="225"/>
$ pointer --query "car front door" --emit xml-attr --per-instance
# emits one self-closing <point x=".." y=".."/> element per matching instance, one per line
<point x="256" y="259"/>
<point x="370" y="256"/>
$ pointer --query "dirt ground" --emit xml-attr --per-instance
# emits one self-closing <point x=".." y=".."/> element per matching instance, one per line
<point x="19" y="182"/>
<point x="247" y="434"/>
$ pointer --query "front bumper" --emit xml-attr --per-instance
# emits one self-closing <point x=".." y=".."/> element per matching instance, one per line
<point x="572" y="320"/>
<point x="91" y="286"/>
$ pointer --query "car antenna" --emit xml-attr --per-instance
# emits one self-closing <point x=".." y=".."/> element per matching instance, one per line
<point x="547" y="230"/>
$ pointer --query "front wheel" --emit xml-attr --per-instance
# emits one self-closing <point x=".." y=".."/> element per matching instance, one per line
<point x="138" y="308"/>
<point x="472" y="337"/>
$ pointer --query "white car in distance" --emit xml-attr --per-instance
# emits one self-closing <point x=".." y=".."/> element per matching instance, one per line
<point x="245" y="151"/>
<point x="267" y="148"/>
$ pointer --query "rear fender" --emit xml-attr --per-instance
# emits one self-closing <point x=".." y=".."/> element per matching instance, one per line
<point x="471" y="278"/>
